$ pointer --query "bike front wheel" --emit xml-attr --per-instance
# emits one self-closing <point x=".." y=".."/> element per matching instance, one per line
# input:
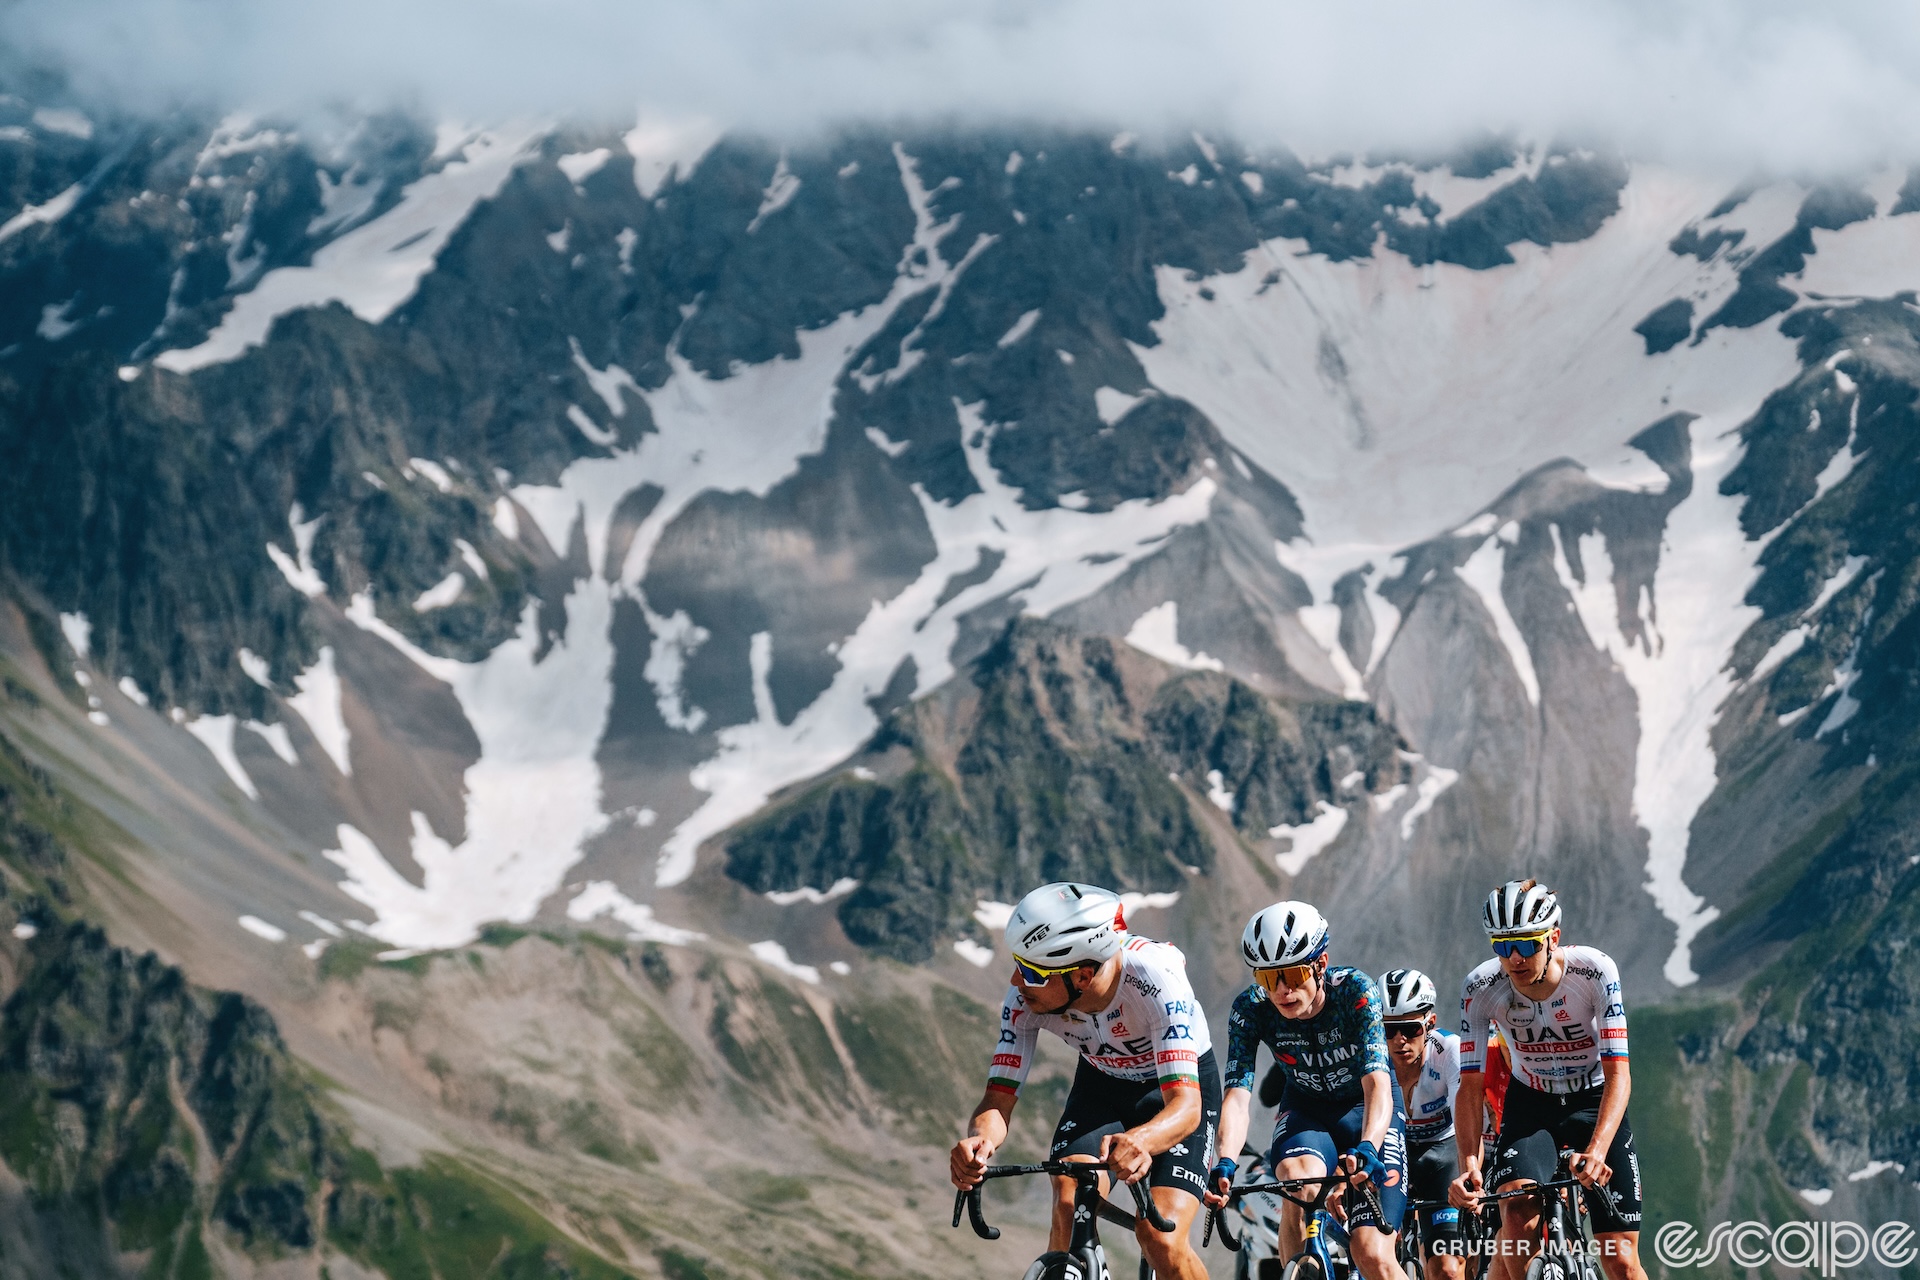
<point x="1554" y="1265"/>
<point x="1307" y="1267"/>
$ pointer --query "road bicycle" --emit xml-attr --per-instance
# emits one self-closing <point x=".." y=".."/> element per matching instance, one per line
<point x="1323" y="1249"/>
<point x="1565" y="1250"/>
<point x="1083" y="1258"/>
<point x="1258" y="1257"/>
<point x="1478" y="1227"/>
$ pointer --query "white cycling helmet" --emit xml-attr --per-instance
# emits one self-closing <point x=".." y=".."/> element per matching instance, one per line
<point x="1065" y="924"/>
<point x="1519" y="908"/>
<point x="1406" y="993"/>
<point x="1285" y="933"/>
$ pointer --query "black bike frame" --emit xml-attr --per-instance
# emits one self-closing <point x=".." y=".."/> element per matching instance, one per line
<point x="1563" y="1208"/>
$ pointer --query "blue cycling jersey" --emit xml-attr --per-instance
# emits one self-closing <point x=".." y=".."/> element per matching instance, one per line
<point x="1324" y="1056"/>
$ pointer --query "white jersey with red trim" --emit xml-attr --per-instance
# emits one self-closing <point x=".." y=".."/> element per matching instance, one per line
<point x="1557" y="1044"/>
<point x="1430" y="1105"/>
<point x="1154" y="1029"/>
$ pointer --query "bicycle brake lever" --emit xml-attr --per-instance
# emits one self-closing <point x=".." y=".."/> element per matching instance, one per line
<point x="1148" y="1209"/>
<point x="959" y="1202"/>
<point x="1372" y="1198"/>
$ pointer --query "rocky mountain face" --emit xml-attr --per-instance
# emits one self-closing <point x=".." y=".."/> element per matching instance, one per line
<point x="1064" y="757"/>
<point x="430" y="555"/>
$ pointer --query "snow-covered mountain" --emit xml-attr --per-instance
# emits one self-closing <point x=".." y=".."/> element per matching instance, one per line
<point x="414" y="534"/>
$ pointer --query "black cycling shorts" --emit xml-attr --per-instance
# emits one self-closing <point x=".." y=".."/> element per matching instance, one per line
<point x="1100" y="1104"/>
<point x="1535" y="1127"/>
<point x="1307" y="1125"/>
<point x="1431" y="1166"/>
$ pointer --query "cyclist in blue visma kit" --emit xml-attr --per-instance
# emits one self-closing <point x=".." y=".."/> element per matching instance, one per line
<point x="1341" y="1105"/>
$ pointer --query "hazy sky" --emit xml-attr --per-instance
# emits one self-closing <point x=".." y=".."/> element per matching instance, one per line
<point x="1738" y="82"/>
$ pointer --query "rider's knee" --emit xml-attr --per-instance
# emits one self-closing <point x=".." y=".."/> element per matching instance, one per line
<point x="1366" y="1242"/>
<point x="1301" y="1166"/>
<point x="1161" y="1248"/>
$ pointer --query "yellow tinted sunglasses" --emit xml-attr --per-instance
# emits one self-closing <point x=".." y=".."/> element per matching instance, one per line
<point x="1290" y="977"/>
<point x="1034" y="976"/>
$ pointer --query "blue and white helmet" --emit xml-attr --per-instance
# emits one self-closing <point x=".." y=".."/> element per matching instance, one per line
<point x="1285" y="933"/>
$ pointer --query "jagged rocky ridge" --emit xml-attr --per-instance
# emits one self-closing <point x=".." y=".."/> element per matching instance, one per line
<point x="1059" y="756"/>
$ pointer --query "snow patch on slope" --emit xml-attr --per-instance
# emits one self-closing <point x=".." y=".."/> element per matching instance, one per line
<point x="533" y="797"/>
<point x="1048" y="550"/>
<point x="78" y="632"/>
<point x="1157" y="633"/>
<point x="1874" y="258"/>
<point x="375" y="267"/>
<point x="36" y="215"/>
<point x="318" y="703"/>
<point x="1430" y="789"/>
<point x="216" y="735"/>
<point x="1484" y="571"/>
<point x="602" y="897"/>
<point x="1322" y="566"/>
<point x="1309" y="838"/>
<point x="1679" y="671"/>
<point x="775" y="956"/>
<point x="1392" y="399"/>
<point x="663" y="148"/>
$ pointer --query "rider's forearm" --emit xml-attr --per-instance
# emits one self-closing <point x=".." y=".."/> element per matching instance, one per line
<point x="1233" y="1122"/>
<point x="1376" y="1088"/>
<point x="1613" y="1105"/>
<point x="1179" y="1117"/>
<point x="992" y="1117"/>
<point x="1469" y="1115"/>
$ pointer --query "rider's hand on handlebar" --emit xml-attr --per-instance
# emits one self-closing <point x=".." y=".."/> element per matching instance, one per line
<point x="1219" y="1183"/>
<point x="1589" y="1168"/>
<point x="1464" y="1191"/>
<point x="1363" y="1164"/>
<point x="967" y="1164"/>
<point x="1125" y="1157"/>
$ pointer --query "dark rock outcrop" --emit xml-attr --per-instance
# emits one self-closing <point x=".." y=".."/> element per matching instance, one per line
<point x="1058" y="756"/>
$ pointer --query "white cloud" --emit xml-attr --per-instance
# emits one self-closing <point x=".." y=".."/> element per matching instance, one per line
<point x="1727" y="80"/>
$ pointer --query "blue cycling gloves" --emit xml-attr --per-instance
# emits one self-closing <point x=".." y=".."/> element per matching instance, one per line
<point x="1367" y="1156"/>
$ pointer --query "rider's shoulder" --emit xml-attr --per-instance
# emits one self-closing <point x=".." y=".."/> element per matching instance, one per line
<point x="1147" y="966"/>
<point x="1342" y="975"/>
<point x="1150" y="953"/>
<point x="1591" y="963"/>
<point x="1488" y="973"/>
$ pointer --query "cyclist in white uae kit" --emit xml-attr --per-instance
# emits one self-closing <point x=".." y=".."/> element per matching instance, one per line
<point x="1559" y="1010"/>
<point x="1146" y="1096"/>
<point x="1426" y="1061"/>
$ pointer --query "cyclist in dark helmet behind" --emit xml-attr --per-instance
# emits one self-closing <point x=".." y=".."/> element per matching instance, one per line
<point x="1146" y="1096"/>
<point x="1560" y="1012"/>
<point x="1341" y="1109"/>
